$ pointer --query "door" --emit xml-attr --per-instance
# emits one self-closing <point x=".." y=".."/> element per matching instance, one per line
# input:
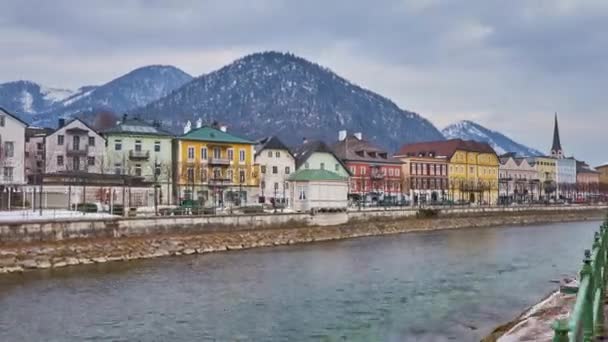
<point x="76" y="142"/>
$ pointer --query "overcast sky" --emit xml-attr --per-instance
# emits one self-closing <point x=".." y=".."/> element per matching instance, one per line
<point x="508" y="65"/>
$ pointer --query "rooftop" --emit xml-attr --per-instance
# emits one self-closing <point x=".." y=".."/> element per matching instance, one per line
<point x="315" y="175"/>
<point x="443" y="148"/>
<point x="136" y="126"/>
<point x="355" y="149"/>
<point x="208" y="133"/>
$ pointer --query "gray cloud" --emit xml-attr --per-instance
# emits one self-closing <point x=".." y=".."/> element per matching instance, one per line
<point x="507" y="64"/>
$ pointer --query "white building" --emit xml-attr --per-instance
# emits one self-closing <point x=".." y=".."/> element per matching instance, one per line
<point x="517" y="180"/>
<point x="12" y="150"/>
<point x="276" y="164"/>
<point x="565" y="177"/>
<point x="74" y="146"/>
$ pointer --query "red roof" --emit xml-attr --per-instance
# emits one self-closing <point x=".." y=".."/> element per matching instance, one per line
<point x="443" y="148"/>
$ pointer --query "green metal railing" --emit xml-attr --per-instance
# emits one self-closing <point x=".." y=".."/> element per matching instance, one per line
<point x="586" y="321"/>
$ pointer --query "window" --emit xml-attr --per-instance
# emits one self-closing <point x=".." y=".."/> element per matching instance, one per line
<point x="39" y="146"/>
<point x="91" y="141"/>
<point x="353" y="170"/>
<point x="229" y="175"/>
<point x="306" y="165"/>
<point x="190" y="175"/>
<point x="76" y="163"/>
<point x="287" y="170"/>
<point x="157" y="170"/>
<point x="263" y="169"/>
<point x="472" y="169"/>
<point x="8" y="173"/>
<point x="190" y="153"/>
<point x="397" y="172"/>
<point x="302" y="193"/>
<point x="204" y="153"/>
<point x="363" y="170"/>
<point x="337" y="167"/>
<point x="276" y="186"/>
<point x="277" y="154"/>
<point x="217" y="173"/>
<point x="59" y="160"/>
<point x="269" y="154"/>
<point x="230" y="154"/>
<point x="138" y="147"/>
<point x="204" y="175"/>
<point x="60" y="139"/>
<point x="76" y="142"/>
<point x="9" y="149"/>
<point x="117" y="168"/>
<point x="322" y="166"/>
<point x="390" y="172"/>
<point x="2" y="120"/>
<point x="157" y="146"/>
<point x="263" y="184"/>
<point x="91" y="161"/>
<point x="275" y="170"/>
<point x="242" y="176"/>
<point x="217" y="153"/>
<point x="242" y="156"/>
<point x="118" y="145"/>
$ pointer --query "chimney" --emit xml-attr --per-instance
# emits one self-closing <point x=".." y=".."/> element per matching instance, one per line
<point x="358" y="135"/>
<point x="124" y="117"/>
<point x="341" y="135"/>
<point x="187" y="127"/>
<point x="304" y="140"/>
<point x="61" y="122"/>
<point x="223" y="128"/>
<point x="199" y="123"/>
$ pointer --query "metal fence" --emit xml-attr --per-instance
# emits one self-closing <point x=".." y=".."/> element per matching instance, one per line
<point x="586" y="321"/>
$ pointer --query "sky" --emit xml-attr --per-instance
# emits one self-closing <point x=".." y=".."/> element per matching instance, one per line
<point x="508" y="65"/>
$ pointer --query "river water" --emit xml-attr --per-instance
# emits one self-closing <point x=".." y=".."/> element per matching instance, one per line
<point x="433" y="286"/>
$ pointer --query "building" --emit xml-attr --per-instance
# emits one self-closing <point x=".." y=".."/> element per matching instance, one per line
<point x="137" y="148"/>
<point x="424" y="176"/>
<point x="74" y="147"/>
<point x="12" y="150"/>
<point x="587" y="182"/>
<point x="517" y="180"/>
<point x="215" y="168"/>
<point x="375" y="174"/>
<point x="603" y="178"/>
<point x="276" y="164"/>
<point x="321" y="178"/>
<point x="546" y="171"/>
<point x="565" y="168"/>
<point x="34" y="151"/>
<point x="472" y="168"/>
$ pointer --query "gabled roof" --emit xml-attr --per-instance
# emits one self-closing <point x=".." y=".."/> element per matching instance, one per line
<point x="444" y="148"/>
<point x="271" y="143"/>
<point x="602" y="166"/>
<point x="136" y="126"/>
<point x="315" y="175"/>
<point x="208" y="133"/>
<point x="355" y="149"/>
<point x="13" y="116"/>
<point x="304" y="151"/>
<point x="33" y="131"/>
<point x="82" y="122"/>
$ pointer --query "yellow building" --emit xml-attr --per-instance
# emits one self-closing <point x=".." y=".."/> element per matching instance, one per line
<point x="214" y="167"/>
<point x="546" y="171"/>
<point x="472" y="168"/>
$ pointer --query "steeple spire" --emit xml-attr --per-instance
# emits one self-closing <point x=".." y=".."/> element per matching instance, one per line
<point x="556" y="148"/>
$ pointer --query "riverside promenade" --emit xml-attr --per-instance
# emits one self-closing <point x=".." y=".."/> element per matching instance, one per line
<point x="576" y="312"/>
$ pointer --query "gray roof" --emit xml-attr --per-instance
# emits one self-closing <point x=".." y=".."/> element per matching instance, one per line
<point x="136" y="126"/>
<point x="354" y="149"/>
<point x="270" y="143"/>
<point x="304" y="151"/>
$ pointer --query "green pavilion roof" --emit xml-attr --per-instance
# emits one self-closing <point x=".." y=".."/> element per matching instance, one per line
<point x="207" y="133"/>
<point x="315" y="175"/>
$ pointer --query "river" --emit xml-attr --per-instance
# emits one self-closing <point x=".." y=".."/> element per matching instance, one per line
<point x="431" y="286"/>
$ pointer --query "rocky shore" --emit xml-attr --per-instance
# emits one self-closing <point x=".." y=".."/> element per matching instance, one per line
<point x="27" y="256"/>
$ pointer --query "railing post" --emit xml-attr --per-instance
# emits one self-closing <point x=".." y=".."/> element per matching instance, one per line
<point x="598" y="282"/>
<point x="587" y="313"/>
<point x="560" y="330"/>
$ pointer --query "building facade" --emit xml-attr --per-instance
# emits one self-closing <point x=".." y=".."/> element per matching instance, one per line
<point x="12" y="151"/>
<point x="424" y="177"/>
<point x="517" y="180"/>
<point x="603" y="178"/>
<point x="472" y="168"/>
<point x="376" y="176"/>
<point x="276" y="164"/>
<point x="141" y="149"/>
<point x="74" y="147"/>
<point x="34" y="151"/>
<point x="215" y="168"/>
<point x="565" y="178"/>
<point x="546" y="174"/>
<point x="587" y="183"/>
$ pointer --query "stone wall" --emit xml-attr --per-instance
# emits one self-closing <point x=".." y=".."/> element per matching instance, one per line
<point x="122" y="240"/>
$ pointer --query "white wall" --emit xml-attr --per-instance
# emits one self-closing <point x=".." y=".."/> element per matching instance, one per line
<point x="319" y="195"/>
<point x="13" y="166"/>
<point x="281" y="159"/>
<point x="53" y="149"/>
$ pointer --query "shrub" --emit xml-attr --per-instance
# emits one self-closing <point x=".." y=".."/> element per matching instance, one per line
<point x="427" y="213"/>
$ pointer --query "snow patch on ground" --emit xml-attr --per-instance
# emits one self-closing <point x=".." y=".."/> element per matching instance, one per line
<point x="47" y="214"/>
<point x="27" y="100"/>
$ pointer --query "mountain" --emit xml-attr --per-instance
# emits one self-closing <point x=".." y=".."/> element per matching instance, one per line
<point x="42" y="105"/>
<point x="27" y="98"/>
<point x="469" y="130"/>
<point x="274" y="93"/>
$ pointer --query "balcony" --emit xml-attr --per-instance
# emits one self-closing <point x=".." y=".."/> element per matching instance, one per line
<point x="219" y="161"/>
<point x="77" y="152"/>
<point x="8" y="161"/>
<point x="139" y="155"/>
<point x="377" y="175"/>
<point x="220" y="181"/>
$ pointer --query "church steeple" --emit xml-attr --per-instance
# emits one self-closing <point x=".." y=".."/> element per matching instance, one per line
<point x="556" y="148"/>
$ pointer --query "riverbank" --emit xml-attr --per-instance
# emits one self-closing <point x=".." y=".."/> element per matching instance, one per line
<point x="22" y="256"/>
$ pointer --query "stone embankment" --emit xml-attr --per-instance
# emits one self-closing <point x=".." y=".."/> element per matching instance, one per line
<point x="32" y="247"/>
